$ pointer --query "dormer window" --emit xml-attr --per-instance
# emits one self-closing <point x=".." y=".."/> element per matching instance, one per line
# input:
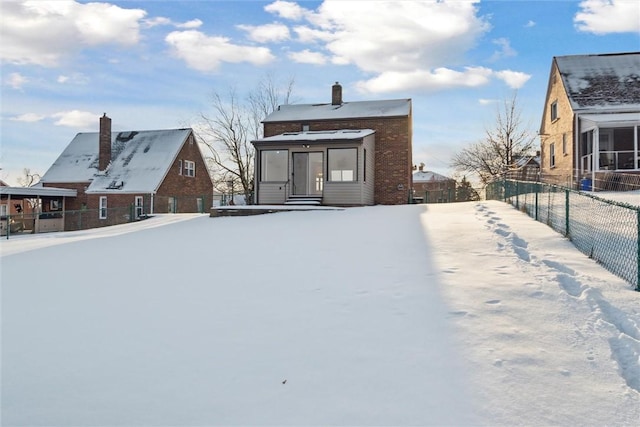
<point x="189" y="168"/>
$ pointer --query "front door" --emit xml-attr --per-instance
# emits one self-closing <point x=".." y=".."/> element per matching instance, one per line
<point x="307" y="174"/>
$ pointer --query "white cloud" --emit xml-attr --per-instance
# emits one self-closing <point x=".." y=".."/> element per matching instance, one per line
<point x="76" y="119"/>
<point x="286" y="9"/>
<point x="158" y="20"/>
<point x="505" y="49"/>
<point x="513" y="79"/>
<point x="483" y="101"/>
<point x="43" y="32"/>
<point x="408" y="45"/>
<point x="266" y="33"/>
<point x="206" y="53"/>
<point x="438" y="79"/>
<point x="608" y="16"/>
<point x="194" y="23"/>
<point x="75" y="78"/>
<point x="530" y="24"/>
<point x="16" y="80"/>
<point x="28" y="118"/>
<point x="308" y="57"/>
<point x="398" y="36"/>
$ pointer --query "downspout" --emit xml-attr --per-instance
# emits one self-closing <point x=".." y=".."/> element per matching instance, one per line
<point x="151" y="204"/>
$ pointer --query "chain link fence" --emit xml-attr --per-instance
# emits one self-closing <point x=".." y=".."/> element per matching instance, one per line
<point x="605" y="230"/>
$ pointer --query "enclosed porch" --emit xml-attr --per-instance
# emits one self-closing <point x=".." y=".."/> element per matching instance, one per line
<point x="333" y="167"/>
<point x="609" y="143"/>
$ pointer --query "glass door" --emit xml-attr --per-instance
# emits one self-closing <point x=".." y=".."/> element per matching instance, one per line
<point x="307" y="177"/>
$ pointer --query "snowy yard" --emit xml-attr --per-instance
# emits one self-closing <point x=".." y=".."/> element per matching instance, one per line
<point x="447" y="315"/>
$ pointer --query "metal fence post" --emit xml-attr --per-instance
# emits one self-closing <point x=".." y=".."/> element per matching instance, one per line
<point x="566" y="206"/>
<point x="638" y="237"/>
<point x="8" y="226"/>
<point x="537" y="185"/>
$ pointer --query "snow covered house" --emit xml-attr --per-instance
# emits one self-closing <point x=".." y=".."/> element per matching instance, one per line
<point x="591" y="121"/>
<point x="122" y="176"/>
<point x="431" y="187"/>
<point x="338" y="153"/>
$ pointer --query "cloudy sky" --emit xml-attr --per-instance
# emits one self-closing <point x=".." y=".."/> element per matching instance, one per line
<point x="156" y="64"/>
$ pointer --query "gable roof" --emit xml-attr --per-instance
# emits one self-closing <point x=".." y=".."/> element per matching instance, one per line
<point x="605" y="81"/>
<point x="346" y="110"/>
<point x="428" y="176"/>
<point x="139" y="161"/>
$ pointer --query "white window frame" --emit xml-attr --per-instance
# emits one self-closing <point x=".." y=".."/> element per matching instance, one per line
<point x="552" y="155"/>
<point x="189" y="168"/>
<point x="139" y="206"/>
<point x="4" y="210"/>
<point x="554" y="111"/>
<point x="338" y="174"/>
<point x="103" y="207"/>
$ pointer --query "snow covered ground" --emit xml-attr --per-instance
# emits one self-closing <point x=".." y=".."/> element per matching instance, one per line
<point x="459" y="314"/>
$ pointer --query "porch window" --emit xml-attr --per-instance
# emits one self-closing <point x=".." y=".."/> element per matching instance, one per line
<point x="3" y="210"/>
<point x="103" y="207"/>
<point x="343" y="164"/>
<point x="552" y="155"/>
<point x="273" y="165"/>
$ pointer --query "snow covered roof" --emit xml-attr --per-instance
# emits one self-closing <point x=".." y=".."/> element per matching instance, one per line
<point x="139" y="160"/>
<point x="317" y="136"/>
<point x="36" y="191"/>
<point x="527" y="160"/>
<point x="346" y="110"/>
<point x="605" y="81"/>
<point x="428" y="176"/>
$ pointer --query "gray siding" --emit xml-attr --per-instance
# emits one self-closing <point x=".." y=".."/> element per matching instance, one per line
<point x="334" y="193"/>
<point x="271" y="193"/>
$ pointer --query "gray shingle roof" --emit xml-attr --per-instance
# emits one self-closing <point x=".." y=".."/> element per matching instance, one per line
<point x="604" y="81"/>
<point x="139" y="160"/>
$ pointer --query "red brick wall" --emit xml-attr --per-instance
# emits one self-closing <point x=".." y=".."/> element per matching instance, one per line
<point x="393" y="156"/>
<point x="185" y="189"/>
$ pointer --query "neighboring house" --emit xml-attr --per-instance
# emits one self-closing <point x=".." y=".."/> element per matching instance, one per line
<point x="338" y="153"/>
<point x="431" y="187"/>
<point x="591" y="121"/>
<point x="525" y="168"/>
<point x="123" y="176"/>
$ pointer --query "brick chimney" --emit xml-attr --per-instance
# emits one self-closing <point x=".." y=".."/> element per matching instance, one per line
<point x="336" y="94"/>
<point x="104" y="150"/>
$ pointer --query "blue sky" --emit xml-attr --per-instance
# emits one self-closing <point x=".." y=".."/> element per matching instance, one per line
<point x="155" y="64"/>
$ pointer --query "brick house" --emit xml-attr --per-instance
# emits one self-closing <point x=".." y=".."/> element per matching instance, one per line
<point x="338" y="153"/>
<point x="431" y="187"/>
<point x="591" y="121"/>
<point x="122" y="176"/>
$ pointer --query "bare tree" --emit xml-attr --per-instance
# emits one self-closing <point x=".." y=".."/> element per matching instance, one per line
<point x="27" y="179"/>
<point x="231" y="127"/>
<point x="502" y="145"/>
